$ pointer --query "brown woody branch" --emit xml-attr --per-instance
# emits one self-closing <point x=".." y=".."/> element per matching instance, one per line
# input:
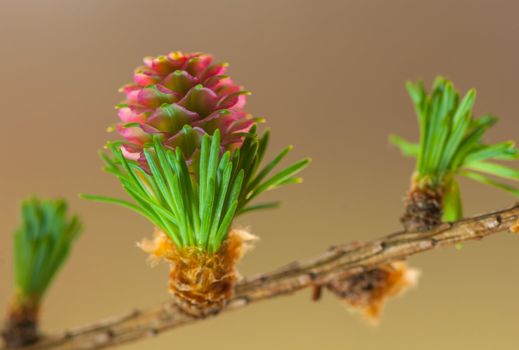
<point x="337" y="262"/>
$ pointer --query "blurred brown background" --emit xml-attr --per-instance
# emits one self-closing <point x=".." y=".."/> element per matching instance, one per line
<point x="328" y="76"/>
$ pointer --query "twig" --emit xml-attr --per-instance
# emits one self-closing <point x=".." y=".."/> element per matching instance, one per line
<point x="338" y="262"/>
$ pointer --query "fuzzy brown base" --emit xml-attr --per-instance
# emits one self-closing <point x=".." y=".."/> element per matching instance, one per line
<point x="367" y="292"/>
<point x="21" y="326"/>
<point x="201" y="282"/>
<point x="423" y="208"/>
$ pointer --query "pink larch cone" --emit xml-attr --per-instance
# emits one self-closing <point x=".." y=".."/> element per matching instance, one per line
<point x="181" y="97"/>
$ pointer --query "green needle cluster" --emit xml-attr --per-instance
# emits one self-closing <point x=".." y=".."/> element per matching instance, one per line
<point x="195" y="204"/>
<point x="41" y="245"/>
<point x="451" y="143"/>
<point x="259" y="179"/>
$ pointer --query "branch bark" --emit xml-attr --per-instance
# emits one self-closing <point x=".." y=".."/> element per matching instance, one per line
<point x="338" y="262"/>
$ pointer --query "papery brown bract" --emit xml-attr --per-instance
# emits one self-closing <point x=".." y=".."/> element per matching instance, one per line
<point x="367" y="292"/>
<point x="201" y="282"/>
<point x="21" y="326"/>
<point x="423" y="207"/>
